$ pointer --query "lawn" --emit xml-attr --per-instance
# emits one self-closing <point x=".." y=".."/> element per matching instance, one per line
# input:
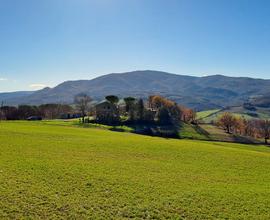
<point x="205" y="114"/>
<point x="50" y="171"/>
<point x="238" y="111"/>
<point x="189" y="131"/>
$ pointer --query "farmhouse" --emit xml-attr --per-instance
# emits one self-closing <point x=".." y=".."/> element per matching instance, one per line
<point x="105" y="111"/>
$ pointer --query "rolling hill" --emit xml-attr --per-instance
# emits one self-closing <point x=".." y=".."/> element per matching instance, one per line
<point x="14" y="95"/>
<point x="50" y="171"/>
<point x="201" y="93"/>
<point x="254" y="112"/>
<point x="261" y="101"/>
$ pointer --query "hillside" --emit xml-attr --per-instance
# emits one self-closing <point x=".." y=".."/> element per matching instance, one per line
<point x="210" y="132"/>
<point x="261" y="100"/>
<point x="252" y="112"/>
<point x="206" y="132"/>
<point x="14" y="95"/>
<point x="53" y="171"/>
<point x="196" y="92"/>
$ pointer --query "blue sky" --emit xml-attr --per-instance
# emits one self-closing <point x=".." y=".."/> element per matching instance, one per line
<point x="46" y="42"/>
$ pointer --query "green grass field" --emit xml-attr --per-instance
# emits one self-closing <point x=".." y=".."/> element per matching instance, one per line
<point x="215" y="116"/>
<point x="205" y="114"/>
<point x="238" y="111"/>
<point x="50" y="171"/>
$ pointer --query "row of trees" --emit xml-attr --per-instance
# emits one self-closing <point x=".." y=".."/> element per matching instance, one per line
<point x="49" y="111"/>
<point x="257" y="128"/>
<point x="169" y="111"/>
<point x="156" y="108"/>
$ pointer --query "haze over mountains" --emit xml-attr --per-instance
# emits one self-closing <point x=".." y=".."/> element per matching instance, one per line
<point x="196" y="92"/>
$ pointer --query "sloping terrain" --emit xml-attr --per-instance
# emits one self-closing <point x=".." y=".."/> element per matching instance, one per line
<point x="210" y="132"/>
<point x="196" y="92"/>
<point x="239" y="111"/>
<point x="52" y="171"/>
<point x="261" y="100"/>
<point x="14" y="95"/>
<point x="215" y="133"/>
<point x="206" y="132"/>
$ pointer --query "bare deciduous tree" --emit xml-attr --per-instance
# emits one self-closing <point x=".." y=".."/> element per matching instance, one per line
<point x="82" y="102"/>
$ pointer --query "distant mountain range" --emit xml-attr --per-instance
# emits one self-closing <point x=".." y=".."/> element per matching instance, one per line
<point x="196" y="92"/>
<point x="7" y="96"/>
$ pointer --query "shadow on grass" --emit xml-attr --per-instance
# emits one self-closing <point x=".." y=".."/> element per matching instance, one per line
<point x="201" y="131"/>
<point x="117" y="129"/>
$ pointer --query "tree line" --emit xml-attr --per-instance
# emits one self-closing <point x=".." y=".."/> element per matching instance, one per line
<point x="155" y="108"/>
<point x="131" y="109"/>
<point x="23" y="112"/>
<point x="256" y="128"/>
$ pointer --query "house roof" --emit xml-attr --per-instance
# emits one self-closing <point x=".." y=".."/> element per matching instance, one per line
<point x="103" y="102"/>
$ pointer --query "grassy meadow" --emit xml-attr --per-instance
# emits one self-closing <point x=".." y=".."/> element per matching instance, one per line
<point x="50" y="170"/>
<point x="238" y="111"/>
<point x="204" y="114"/>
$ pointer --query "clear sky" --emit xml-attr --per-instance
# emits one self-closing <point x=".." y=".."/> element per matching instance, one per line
<point x="45" y="42"/>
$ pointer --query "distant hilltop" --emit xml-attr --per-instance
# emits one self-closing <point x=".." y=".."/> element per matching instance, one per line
<point x="200" y="93"/>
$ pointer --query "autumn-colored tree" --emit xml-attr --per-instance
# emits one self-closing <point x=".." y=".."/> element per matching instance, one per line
<point x="264" y="129"/>
<point x="187" y="115"/>
<point x="156" y="102"/>
<point x="244" y="126"/>
<point x="239" y="126"/>
<point x="227" y="122"/>
<point x="151" y="103"/>
<point x="250" y="128"/>
<point x="191" y="116"/>
<point x="167" y="110"/>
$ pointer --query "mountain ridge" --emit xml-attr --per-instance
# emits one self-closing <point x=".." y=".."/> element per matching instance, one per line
<point x="196" y="92"/>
